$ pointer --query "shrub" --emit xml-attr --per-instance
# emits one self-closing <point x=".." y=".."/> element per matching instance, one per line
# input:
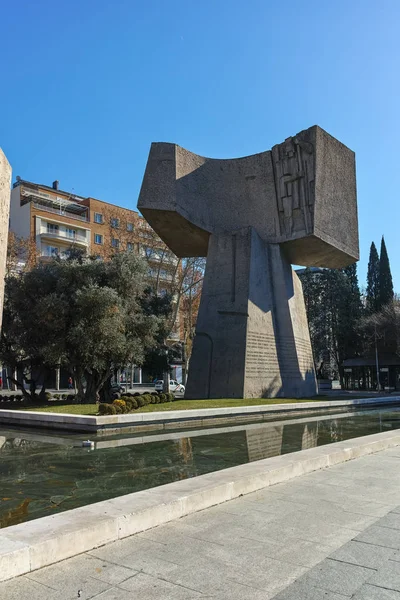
<point x="115" y="396"/>
<point x="147" y="398"/>
<point x="136" y="394"/>
<point x="56" y="396"/>
<point x="107" y="409"/>
<point x="64" y="396"/>
<point x="71" y="397"/>
<point x="141" y="401"/>
<point x="129" y="404"/>
<point x="158" y="399"/>
<point x="163" y="397"/>
<point x="11" y="398"/>
<point x="171" y="397"/>
<point x="121" y="404"/>
<point x="134" y="404"/>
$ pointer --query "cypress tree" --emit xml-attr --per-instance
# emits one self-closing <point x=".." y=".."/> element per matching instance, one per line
<point x="372" y="299"/>
<point x="385" y="290"/>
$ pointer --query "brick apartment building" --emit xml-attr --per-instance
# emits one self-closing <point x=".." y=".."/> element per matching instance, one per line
<point x="57" y="220"/>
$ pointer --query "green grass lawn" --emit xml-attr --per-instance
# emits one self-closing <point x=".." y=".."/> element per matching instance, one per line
<point x="91" y="409"/>
<point x="71" y="409"/>
<point x="219" y="403"/>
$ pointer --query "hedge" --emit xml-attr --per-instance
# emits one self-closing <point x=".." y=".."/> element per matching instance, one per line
<point x="128" y="404"/>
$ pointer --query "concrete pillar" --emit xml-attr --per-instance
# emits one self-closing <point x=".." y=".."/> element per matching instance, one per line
<point x="58" y="379"/>
<point x="252" y="338"/>
<point x="140" y="375"/>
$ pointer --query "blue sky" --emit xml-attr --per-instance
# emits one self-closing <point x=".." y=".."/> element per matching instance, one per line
<point x="87" y="85"/>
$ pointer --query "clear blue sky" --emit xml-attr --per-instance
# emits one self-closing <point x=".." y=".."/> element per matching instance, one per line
<point x="87" y="85"/>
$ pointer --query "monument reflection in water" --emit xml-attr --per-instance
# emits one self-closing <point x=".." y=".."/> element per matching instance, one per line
<point x="42" y="475"/>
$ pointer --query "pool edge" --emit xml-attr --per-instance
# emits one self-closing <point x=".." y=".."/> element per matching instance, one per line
<point x="41" y="542"/>
<point x="108" y="424"/>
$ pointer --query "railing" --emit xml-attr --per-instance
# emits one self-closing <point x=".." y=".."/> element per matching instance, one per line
<point x="82" y="239"/>
<point x="156" y="256"/>
<point x="61" y="213"/>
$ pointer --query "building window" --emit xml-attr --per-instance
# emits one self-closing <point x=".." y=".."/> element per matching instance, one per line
<point x="129" y="246"/>
<point x="147" y="252"/>
<point x="51" y="251"/>
<point x="115" y="223"/>
<point x="98" y="217"/>
<point x="51" y="228"/>
<point x="98" y="239"/>
<point x="129" y="226"/>
<point x="71" y="233"/>
<point x="115" y="243"/>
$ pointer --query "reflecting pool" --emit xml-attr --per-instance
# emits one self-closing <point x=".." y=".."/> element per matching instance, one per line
<point x="42" y="474"/>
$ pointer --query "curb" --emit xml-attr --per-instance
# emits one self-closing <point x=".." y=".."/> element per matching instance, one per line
<point x="190" y="418"/>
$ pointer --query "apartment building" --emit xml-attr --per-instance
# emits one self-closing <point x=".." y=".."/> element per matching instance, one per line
<point x="53" y="218"/>
<point x="59" y="220"/>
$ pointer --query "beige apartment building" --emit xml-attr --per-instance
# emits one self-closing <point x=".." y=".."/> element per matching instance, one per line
<point x="58" y="220"/>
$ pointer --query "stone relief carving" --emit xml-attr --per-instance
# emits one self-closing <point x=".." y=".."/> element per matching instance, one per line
<point x="294" y="177"/>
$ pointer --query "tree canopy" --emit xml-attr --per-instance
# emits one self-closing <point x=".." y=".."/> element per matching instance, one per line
<point x="87" y="315"/>
<point x="372" y="298"/>
<point x="333" y="306"/>
<point x="385" y="289"/>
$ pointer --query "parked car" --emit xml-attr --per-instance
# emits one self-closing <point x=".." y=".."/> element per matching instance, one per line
<point x="174" y="386"/>
<point x="117" y="388"/>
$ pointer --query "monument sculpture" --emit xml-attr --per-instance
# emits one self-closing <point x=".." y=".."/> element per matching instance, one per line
<point x="5" y="183"/>
<point x="253" y="217"/>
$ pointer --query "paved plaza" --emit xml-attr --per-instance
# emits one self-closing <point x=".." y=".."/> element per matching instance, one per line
<point x="329" y="535"/>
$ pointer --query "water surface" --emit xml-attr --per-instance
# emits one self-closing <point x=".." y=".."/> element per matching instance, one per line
<point x="43" y="474"/>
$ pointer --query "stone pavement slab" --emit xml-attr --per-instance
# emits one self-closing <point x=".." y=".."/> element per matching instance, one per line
<point x="323" y="536"/>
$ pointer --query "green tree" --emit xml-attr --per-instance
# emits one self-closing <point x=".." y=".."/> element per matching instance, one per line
<point x="372" y="297"/>
<point x="84" y="314"/>
<point x="334" y="308"/>
<point x="31" y="343"/>
<point x="385" y="287"/>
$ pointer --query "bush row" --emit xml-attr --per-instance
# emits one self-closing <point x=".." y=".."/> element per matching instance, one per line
<point x="127" y="404"/>
<point x="11" y="398"/>
<point x="48" y="396"/>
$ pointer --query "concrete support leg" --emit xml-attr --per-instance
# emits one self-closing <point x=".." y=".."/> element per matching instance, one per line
<point x="252" y="337"/>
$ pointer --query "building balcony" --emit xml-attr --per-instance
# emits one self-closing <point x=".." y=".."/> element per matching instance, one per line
<point x="158" y="256"/>
<point x="62" y="236"/>
<point x="62" y="212"/>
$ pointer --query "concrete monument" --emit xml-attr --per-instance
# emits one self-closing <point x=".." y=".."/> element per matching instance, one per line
<point x="252" y="217"/>
<point x="5" y="183"/>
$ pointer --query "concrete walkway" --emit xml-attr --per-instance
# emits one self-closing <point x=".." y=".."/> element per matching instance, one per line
<point x="331" y="535"/>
